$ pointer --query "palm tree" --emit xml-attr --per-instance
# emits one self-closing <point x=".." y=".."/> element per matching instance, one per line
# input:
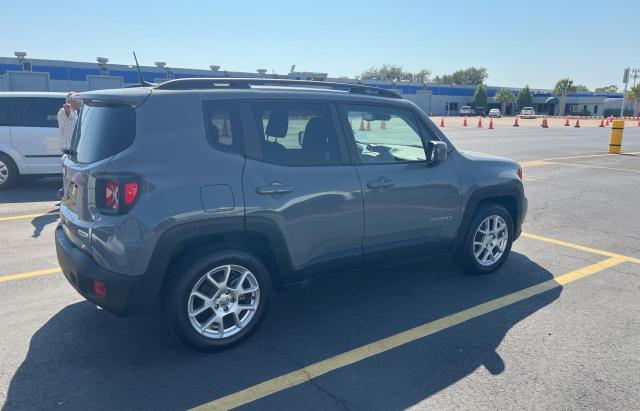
<point x="504" y="96"/>
<point x="562" y="88"/>
<point x="634" y="95"/>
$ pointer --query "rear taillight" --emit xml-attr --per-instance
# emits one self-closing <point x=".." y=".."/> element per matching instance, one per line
<point x="520" y="173"/>
<point x="130" y="193"/>
<point x="116" y="195"/>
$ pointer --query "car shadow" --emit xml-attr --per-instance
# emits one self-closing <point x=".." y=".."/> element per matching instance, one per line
<point x="41" y="221"/>
<point x="31" y="189"/>
<point x="85" y="358"/>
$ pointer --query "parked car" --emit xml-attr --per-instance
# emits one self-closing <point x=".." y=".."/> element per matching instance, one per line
<point x="480" y="111"/>
<point x="29" y="139"/>
<point x="528" y="112"/>
<point x="495" y="112"/>
<point x="467" y="111"/>
<point x="268" y="186"/>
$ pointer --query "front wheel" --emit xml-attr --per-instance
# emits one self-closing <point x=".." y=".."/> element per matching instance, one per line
<point x="488" y="240"/>
<point x="217" y="299"/>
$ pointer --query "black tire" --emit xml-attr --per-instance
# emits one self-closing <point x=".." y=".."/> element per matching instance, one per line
<point x="465" y="256"/>
<point x="184" y="277"/>
<point x="9" y="172"/>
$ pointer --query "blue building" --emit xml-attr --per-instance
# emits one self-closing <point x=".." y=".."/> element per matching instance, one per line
<point x="21" y="73"/>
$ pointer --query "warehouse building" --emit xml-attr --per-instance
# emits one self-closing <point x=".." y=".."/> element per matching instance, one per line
<point x="21" y="73"/>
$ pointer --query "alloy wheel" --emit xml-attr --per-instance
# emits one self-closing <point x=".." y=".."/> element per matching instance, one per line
<point x="490" y="240"/>
<point x="223" y="301"/>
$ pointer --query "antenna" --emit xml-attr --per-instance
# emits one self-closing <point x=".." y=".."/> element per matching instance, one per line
<point x="142" y="82"/>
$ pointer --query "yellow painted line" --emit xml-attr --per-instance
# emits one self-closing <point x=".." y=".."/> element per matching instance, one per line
<point x="600" y="167"/>
<point x="29" y="274"/>
<point x="23" y="216"/>
<point x="312" y="371"/>
<point x="585" y="156"/>
<point x="580" y="247"/>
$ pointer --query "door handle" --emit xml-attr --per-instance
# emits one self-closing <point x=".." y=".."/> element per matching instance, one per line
<point x="274" y="188"/>
<point x="380" y="182"/>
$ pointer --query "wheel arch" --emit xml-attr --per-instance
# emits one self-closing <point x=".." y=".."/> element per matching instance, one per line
<point x="510" y="196"/>
<point x="17" y="159"/>
<point x="182" y="242"/>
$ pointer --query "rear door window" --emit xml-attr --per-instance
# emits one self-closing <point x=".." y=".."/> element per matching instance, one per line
<point x="35" y="111"/>
<point x="5" y="119"/>
<point x="296" y="133"/>
<point x="104" y="129"/>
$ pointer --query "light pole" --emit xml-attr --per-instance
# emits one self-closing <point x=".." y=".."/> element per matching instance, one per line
<point x="625" y="80"/>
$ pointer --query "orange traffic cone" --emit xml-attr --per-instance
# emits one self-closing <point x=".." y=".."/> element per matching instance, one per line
<point x="368" y="126"/>
<point x="606" y="123"/>
<point x="491" y="124"/>
<point x="442" y="122"/>
<point x="465" y="122"/>
<point x="544" y="123"/>
<point x="566" y="123"/>
<point x="362" y="125"/>
<point x="515" y="123"/>
<point x="480" y="122"/>
<point x="383" y="125"/>
<point x="601" y="123"/>
<point x="577" y="123"/>
<point x="225" y="129"/>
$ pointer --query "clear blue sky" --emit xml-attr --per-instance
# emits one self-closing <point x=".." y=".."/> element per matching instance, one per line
<point x="534" y="42"/>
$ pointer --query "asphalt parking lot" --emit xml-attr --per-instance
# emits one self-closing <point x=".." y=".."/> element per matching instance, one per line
<point x="557" y="327"/>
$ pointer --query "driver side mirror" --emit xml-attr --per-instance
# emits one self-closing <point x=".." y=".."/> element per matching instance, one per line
<point x="436" y="152"/>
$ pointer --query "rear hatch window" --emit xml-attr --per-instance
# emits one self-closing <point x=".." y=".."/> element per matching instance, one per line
<point x="104" y="129"/>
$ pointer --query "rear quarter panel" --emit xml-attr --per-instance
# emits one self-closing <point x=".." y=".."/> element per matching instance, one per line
<point x="174" y="159"/>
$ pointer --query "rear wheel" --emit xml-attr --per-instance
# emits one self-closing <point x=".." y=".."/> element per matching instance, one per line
<point x="487" y="243"/>
<point x="217" y="299"/>
<point x="8" y="172"/>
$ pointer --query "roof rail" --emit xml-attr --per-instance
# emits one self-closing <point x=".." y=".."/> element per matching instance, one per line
<point x="246" y="83"/>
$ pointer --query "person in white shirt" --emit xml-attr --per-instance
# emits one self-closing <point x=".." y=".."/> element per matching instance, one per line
<point x="67" y="119"/>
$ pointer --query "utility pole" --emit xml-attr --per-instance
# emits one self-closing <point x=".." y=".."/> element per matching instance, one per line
<point x="625" y="80"/>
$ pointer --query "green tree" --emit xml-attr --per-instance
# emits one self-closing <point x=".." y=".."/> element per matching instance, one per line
<point x="504" y="96"/>
<point x="607" y="89"/>
<point x="634" y="95"/>
<point x="480" y="96"/>
<point x="581" y="87"/>
<point x="525" y="98"/>
<point x="391" y="72"/>
<point x="562" y="88"/>
<point x="469" y="76"/>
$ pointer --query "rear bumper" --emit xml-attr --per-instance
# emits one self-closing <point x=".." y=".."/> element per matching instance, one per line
<point x="81" y="270"/>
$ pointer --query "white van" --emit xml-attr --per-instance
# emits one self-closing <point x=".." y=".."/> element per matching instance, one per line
<point x="29" y="137"/>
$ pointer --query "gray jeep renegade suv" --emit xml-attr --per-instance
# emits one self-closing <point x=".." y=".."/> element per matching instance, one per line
<point x="207" y="194"/>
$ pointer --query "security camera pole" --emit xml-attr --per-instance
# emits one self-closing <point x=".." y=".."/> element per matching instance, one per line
<point x="625" y="80"/>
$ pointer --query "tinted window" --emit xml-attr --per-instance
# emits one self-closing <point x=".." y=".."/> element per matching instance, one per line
<point x="223" y="125"/>
<point x="385" y="134"/>
<point x="30" y="111"/>
<point x="4" y="112"/>
<point x="296" y="133"/>
<point x="104" y="130"/>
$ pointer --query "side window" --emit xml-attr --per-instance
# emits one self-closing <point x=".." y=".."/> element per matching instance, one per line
<point x="36" y="111"/>
<point x="296" y="133"/>
<point x="5" y="119"/>
<point x="222" y="121"/>
<point x="385" y="134"/>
